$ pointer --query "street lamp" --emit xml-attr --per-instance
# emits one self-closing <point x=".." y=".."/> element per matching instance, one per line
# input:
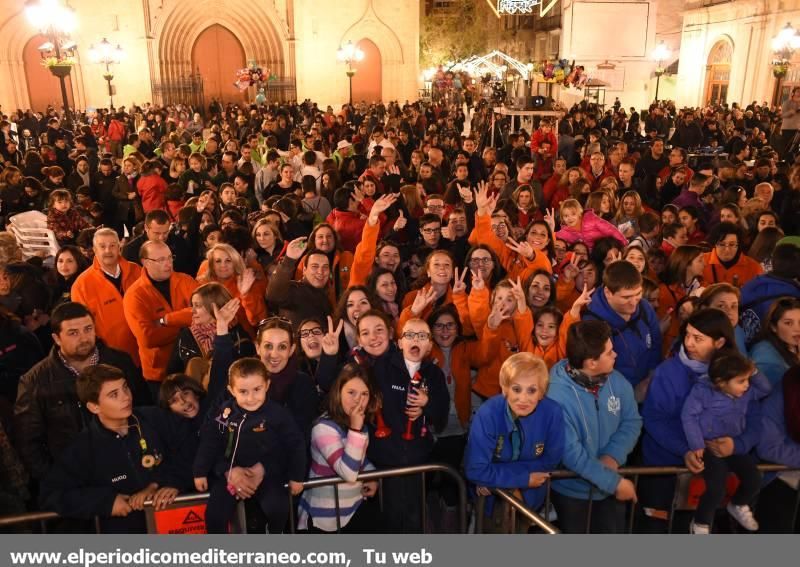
<point x="56" y="22"/>
<point x="660" y="54"/>
<point x="108" y="55"/>
<point x="783" y="47"/>
<point x="350" y="53"/>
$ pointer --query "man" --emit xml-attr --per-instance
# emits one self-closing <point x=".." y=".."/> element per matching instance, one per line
<point x="636" y="332"/>
<point x="587" y="384"/>
<point x="157" y="227"/>
<point x="156" y="307"/>
<point x="790" y="123"/>
<point x="345" y="218"/>
<point x="101" y="289"/>
<point x="81" y="149"/>
<point x="691" y="196"/>
<point x="47" y="415"/>
<point x="103" y="183"/>
<point x="688" y="134"/>
<point x="343" y="150"/>
<point x="299" y="300"/>
<point x="652" y="162"/>
<point x="378" y="139"/>
<point x="146" y="145"/>
<point x="525" y="169"/>
<point x="267" y="175"/>
<point x="597" y="170"/>
<point x="677" y="158"/>
<point x="228" y="171"/>
<point x="167" y="153"/>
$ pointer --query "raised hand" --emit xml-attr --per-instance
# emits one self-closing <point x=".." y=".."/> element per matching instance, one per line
<point x="422" y="300"/>
<point x="571" y="269"/>
<point x="483" y="201"/>
<point x="358" y="194"/>
<point x="614" y="255"/>
<point x="296" y="248"/>
<point x="497" y="316"/>
<point x="459" y="286"/>
<point x="583" y="300"/>
<point x="400" y="223"/>
<point x="466" y="194"/>
<point x="519" y="294"/>
<point x="225" y="315"/>
<point x="381" y="204"/>
<point x="449" y="232"/>
<point x="330" y="341"/>
<point x="550" y="219"/>
<point x="245" y="281"/>
<point x="393" y="170"/>
<point x="477" y="280"/>
<point x="523" y="248"/>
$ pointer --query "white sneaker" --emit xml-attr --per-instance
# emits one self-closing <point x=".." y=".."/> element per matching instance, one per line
<point x="699" y="529"/>
<point x="743" y="515"/>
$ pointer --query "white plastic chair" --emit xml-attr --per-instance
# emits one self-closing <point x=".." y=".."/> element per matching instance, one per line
<point x="33" y="236"/>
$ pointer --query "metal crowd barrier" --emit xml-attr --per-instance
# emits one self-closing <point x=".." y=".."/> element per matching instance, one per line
<point x="388" y="473"/>
<point x="516" y="506"/>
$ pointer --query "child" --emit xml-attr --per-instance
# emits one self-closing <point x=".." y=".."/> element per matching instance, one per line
<point x="724" y="407"/>
<point x="549" y="338"/>
<point x="151" y="187"/>
<point x="585" y="226"/>
<point x="196" y="178"/>
<point x="64" y="220"/>
<point x="115" y="464"/>
<point x="174" y="198"/>
<point x="246" y="431"/>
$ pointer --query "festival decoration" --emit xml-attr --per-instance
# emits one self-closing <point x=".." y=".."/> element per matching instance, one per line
<point x="516" y="6"/>
<point x="252" y="76"/>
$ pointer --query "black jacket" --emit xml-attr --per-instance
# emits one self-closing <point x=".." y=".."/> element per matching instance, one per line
<point x="100" y="464"/>
<point x="297" y="300"/>
<point x="185" y="258"/>
<point x="48" y="415"/>
<point x="186" y="348"/>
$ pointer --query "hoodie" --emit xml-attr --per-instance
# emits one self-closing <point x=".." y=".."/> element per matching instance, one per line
<point x="603" y="423"/>
<point x="774" y="444"/>
<point x="758" y="295"/>
<point x="637" y="341"/>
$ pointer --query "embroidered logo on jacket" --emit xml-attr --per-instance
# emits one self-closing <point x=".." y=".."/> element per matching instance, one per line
<point x="614" y="405"/>
<point x="538" y="449"/>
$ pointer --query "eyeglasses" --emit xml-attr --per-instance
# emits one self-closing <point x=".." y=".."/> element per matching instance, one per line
<point x="451" y="326"/>
<point x="431" y="230"/>
<point x="164" y="260"/>
<point x="728" y="246"/>
<point x="435" y="207"/>
<point x="480" y="261"/>
<point x="315" y="332"/>
<point x="420" y="336"/>
<point x="498" y="226"/>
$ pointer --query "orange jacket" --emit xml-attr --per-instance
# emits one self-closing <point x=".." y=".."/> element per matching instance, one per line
<point x="364" y="257"/>
<point x="668" y="298"/>
<point x="557" y="350"/>
<point x="744" y="270"/>
<point x="144" y="306"/>
<point x="459" y="300"/>
<point x="566" y="294"/>
<point x="502" y="342"/>
<point x="342" y="262"/>
<point x="103" y="300"/>
<point x="514" y="264"/>
<point x="464" y="356"/>
<point x="253" y="308"/>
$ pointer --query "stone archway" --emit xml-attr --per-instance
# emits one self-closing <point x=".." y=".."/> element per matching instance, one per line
<point x="216" y="55"/>
<point x="367" y="82"/>
<point x="44" y="89"/>
<point x="718" y="72"/>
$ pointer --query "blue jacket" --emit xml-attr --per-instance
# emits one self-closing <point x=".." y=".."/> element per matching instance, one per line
<point x="488" y="458"/>
<point x="774" y="444"/>
<point x="664" y="442"/>
<point x="769" y="361"/>
<point x="709" y="413"/>
<point x="637" y="341"/>
<point x="758" y="296"/>
<point x="606" y="424"/>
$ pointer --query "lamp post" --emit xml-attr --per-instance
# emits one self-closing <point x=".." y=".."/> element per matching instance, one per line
<point x="108" y="55"/>
<point x="660" y="54"/>
<point x="56" y="22"/>
<point x="783" y="47"/>
<point x="350" y="53"/>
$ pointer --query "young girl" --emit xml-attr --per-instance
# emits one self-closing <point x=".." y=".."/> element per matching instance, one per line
<point x="383" y="286"/>
<point x="151" y="187"/>
<point x="63" y="219"/>
<point x="585" y="226"/>
<point x="339" y="441"/>
<point x="549" y="338"/>
<point x="195" y="179"/>
<point x="247" y="431"/>
<point x="354" y="302"/>
<point x="689" y="217"/>
<point x="719" y="410"/>
<point x="682" y="278"/>
<point x="629" y="212"/>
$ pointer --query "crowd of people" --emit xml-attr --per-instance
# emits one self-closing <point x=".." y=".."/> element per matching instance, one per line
<point x="250" y="297"/>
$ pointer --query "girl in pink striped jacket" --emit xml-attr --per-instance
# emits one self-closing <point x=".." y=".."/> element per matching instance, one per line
<point x="339" y="441"/>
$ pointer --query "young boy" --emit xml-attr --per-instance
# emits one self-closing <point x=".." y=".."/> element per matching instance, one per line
<point x="115" y="464"/>
<point x="602" y="427"/>
<point x="245" y="432"/>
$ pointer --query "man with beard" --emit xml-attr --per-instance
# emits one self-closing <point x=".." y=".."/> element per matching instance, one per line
<point x="47" y="415"/>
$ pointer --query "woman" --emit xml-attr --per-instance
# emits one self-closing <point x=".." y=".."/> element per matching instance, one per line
<point x="664" y="441"/>
<point x="11" y="189"/>
<point x="339" y="441"/>
<point x="197" y="340"/>
<point x="53" y="177"/>
<point x="286" y="184"/>
<point x="481" y="258"/>
<point x="689" y="217"/>
<point x="764" y="245"/>
<point x="628" y="213"/>
<point x="541" y="290"/>
<point x="245" y="282"/>
<point x="522" y="410"/>
<point x="525" y="209"/>
<point x="635" y="256"/>
<point x="267" y="244"/>
<point x="727" y="299"/>
<point x="669" y="215"/>
<point x="601" y="204"/>
<point x="176" y="168"/>
<point x="129" y="209"/>
<point x="681" y="278"/>
<point x="562" y="191"/>
<point x="355" y="301"/>
<point x="497" y="182"/>
<point x="727" y="262"/>
<point x="779" y="347"/>
<point x="382" y="284"/>
<point x="779" y="443"/>
<point x="69" y="264"/>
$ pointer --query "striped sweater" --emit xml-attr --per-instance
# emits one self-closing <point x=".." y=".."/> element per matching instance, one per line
<point x="334" y="452"/>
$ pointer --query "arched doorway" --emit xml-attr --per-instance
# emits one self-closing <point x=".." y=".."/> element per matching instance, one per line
<point x="216" y="55"/>
<point x="367" y="82"/>
<point x="44" y="89"/>
<point x="718" y="72"/>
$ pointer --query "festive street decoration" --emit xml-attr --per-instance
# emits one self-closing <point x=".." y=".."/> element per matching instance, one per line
<point x="252" y="76"/>
<point x="516" y="6"/>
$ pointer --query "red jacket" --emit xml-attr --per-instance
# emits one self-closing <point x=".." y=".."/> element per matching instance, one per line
<point x="152" y="189"/>
<point x="349" y="226"/>
<point x="537" y="139"/>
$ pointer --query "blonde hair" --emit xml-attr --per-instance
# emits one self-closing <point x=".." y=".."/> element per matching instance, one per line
<point x="524" y="363"/>
<point x="238" y="263"/>
<point x="570" y="204"/>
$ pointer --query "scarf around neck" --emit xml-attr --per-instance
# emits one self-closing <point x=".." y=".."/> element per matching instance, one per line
<point x="699" y="368"/>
